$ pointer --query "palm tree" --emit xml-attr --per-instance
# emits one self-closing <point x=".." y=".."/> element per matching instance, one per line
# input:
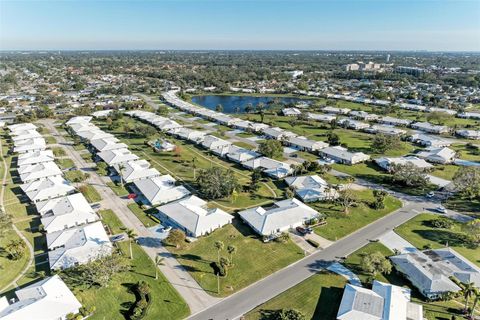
<point x="194" y="167"/>
<point x="468" y="290"/>
<point x="158" y="262"/>
<point x="475" y="302"/>
<point x="219" y="246"/>
<point x="131" y="235"/>
<point x="231" y="249"/>
<point x="121" y="166"/>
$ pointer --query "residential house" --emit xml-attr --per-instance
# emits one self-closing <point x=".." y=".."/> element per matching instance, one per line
<point x="438" y="155"/>
<point x="291" y="112"/>
<point x="193" y="216"/>
<point x="277" y="133"/>
<point x="106" y="144"/>
<point x="24" y="135"/>
<point x="362" y="115"/>
<point x="385" y="129"/>
<point x="304" y="144"/>
<point x="469" y="134"/>
<point x="78" y="119"/>
<point x="430" y="128"/>
<point x="35" y="157"/>
<point x="322" y="117"/>
<point x="118" y="157"/>
<point x="91" y="135"/>
<point x="214" y="143"/>
<point x="387" y="163"/>
<point x="430" y="141"/>
<point x="342" y="155"/>
<point x="194" y="136"/>
<point x="336" y="110"/>
<point x="239" y="155"/>
<point x="394" y="121"/>
<point x="137" y="170"/>
<point x="311" y="188"/>
<point x="101" y="113"/>
<point x="21" y="127"/>
<point x="270" y="167"/>
<point x="353" y="124"/>
<point x="280" y="217"/>
<point x="29" y="145"/>
<point x="160" y="190"/>
<point x="38" y="171"/>
<point x="47" y="188"/>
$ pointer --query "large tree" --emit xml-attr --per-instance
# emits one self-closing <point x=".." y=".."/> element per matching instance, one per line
<point x="382" y="143"/>
<point x="271" y="148"/>
<point x="409" y="175"/>
<point x="214" y="183"/>
<point x="467" y="182"/>
<point x="375" y="263"/>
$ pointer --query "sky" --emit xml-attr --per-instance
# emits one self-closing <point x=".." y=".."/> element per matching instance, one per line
<point x="435" y="25"/>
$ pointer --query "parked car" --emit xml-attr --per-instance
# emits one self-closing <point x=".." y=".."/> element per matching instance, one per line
<point x="118" y="237"/>
<point x="431" y="194"/>
<point x="441" y="209"/>
<point x="304" y="231"/>
<point x="167" y="229"/>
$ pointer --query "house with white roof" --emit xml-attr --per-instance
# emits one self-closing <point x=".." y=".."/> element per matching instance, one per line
<point x="24" y="135"/>
<point x="193" y="216"/>
<point x="78" y="119"/>
<point x="383" y="302"/>
<point x="213" y="143"/>
<point x="281" y="216"/>
<point x="385" y="129"/>
<point x="161" y="189"/>
<point x="167" y="125"/>
<point x="336" y="110"/>
<point x="342" y="155"/>
<point x="65" y="212"/>
<point x="240" y="155"/>
<point x="138" y="169"/>
<point x="311" y="188"/>
<point x="277" y="133"/>
<point x="84" y="126"/>
<point x="291" y="112"/>
<point x="189" y="134"/>
<point x="469" y="115"/>
<point x="387" y="163"/>
<point x="46" y="299"/>
<point x="273" y="168"/>
<point x="430" y="271"/>
<point x="79" y="245"/>
<point x="353" y="124"/>
<point x="94" y="135"/>
<point x="469" y="134"/>
<point x="38" y="171"/>
<point x="36" y="157"/>
<point x="48" y="188"/>
<point x="304" y="144"/>
<point x="430" y="128"/>
<point x="438" y="155"/>
<point x="322" y="117"/>
<point x="394" y="121"/>
<point x="108" y="144"/>
<point x="21" y="127"/>
<point x="115" y="158"/>
<point x="430" y="141"/>
<point x="101" y="113"/>
<point x="29" y="145"/>
<point x="362" y="115"/>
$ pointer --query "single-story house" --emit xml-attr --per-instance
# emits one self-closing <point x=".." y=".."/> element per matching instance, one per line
<point x="385" y="129"/>
<point x="311" y="188"/>
<point x="117" y="157"/>
<point x="428" y="127"/>
<point x="189" y="134"/>
<point x="107" y="144"/>
<point x="383" y="302"/>
<point x="21" y="127"/>
<point x="49" y="298"/>
<point x="430" y="270"/>
<point x="469" y="115"/>
<point x="137" y="170"/>
<point x="336" y="110"/>
<point x="386" y="163"/>
<point x="213" y="143"/>
<point x="277" y="133"/>
<point x="65" y="212"/>
<point x="304" y="144"/>
<point x="36" y="157"/>
<point x="322" y="117"/>
<point x="394" y="121"/>
<point x="362" y="115"/>
<point x="47" y="188"/>
<point x="78" y="119"/>
<point x="240" y="155"/>
<point x="430" y="141"/>
<point x="82" y="127"/>
<point x="94" y="135"/>
<point x="353" y="124"/>
<point x="160" y="190"/>
<point x="101" y="113"/>
<point x="270" y="167"/>
<point x="281" y="216"/>
<point x="438" y="155"/>
<point x="38" y="171"/>
<point x="291" y="112"/>
<point x="79" y="245"/>
<point x="24" y="135"/>
<point x="469" y="134"/>
<point x="29" y="145"/>
<point x="192" y="215"/>
<point x="342" y="155"/>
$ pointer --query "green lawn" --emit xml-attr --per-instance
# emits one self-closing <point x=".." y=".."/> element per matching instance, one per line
<point x="10" y="268"/>
<point x="465" y="205"/>
<point x="142" y="215"/>
<point x="467" y="152"/>
<point x="90" y="193"/>
<point x="119" y="190"/>
<point x="419" y="232"/>
<point x="253" y="260"/>
<point x="74" y="175"/>
<point x="317" y="297"/>
<point x="110" y="219"/>
<point x="65" y="163"/>
<point x="445" y="171"/>
<point x="340" y="224"/>
<point x="58" y="151"/>
<point x="78" y="147"/>
<point x="245" y="145"/>
<point x="50" y="140"/>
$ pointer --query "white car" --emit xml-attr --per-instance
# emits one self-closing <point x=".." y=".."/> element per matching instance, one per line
<point x="441" y="209"/>
<point x="431" y="194"/>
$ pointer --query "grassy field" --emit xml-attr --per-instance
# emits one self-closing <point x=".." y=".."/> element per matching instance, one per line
<point x="467" y="152"/>
<point x="253" y="260"/>
<point x="10" y="268"/>
<point x="50" y="140"/>
<point x="340" y="224"/>
<point x="78" y="147"/>
<point x="119" y="190"/>
<point x="90" y="193"/>
<point x="65" y="163"/>
<point x="74" y="175"/>
<point x="142" y="214"/>
<point x="58" y="151"/>
<point x="111" y="220"/>
<point x="419" y="232"/>
<point x="318" y="298"/>
<point x="445" y="171"/>
<point x="113" y="301"/>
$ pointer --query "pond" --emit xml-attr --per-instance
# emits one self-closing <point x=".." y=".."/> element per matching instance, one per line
<point x="230" y="103"/>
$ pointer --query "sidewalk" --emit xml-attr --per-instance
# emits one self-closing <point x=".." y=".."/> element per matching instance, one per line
<point x="393" y="241"/>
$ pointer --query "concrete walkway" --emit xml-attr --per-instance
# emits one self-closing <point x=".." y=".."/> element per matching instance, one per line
<point x="301" y="242"/>
<point x="393" y="241"/>
<point x="196" y="298"/>
<point x="340" y="269"/>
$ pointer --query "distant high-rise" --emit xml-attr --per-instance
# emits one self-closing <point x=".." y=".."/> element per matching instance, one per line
<point x="388" y="58"/>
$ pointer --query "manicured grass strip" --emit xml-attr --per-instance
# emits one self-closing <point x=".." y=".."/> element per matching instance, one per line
<point x="110" y="219"/>
<point x="65" y="163"/>
<point x="318" y="297"/>
<point x="59" y="152"/>
<point x="90" y="193"/>
<point x="78" y="147"/>
<point x="10" y="268"/>
<point x="419" y="232"/>
<point x="118" y="189"/>
<point x="50" y="140"/>
<point x="141" y="215"/>
<point x="340" y="224"/>
<point x="253" y="260"/>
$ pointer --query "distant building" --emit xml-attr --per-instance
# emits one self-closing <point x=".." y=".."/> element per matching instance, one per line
<point x="414" y="71"/>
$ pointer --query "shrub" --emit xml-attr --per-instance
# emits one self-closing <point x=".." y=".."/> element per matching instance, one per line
<point x="313" y="243"/>
<point x="442" y="223"/>
<point x="142" y="301"/>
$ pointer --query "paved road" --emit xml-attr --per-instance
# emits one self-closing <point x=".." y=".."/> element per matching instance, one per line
<point x="196" y="298"/>
<point x="240" y="303"/>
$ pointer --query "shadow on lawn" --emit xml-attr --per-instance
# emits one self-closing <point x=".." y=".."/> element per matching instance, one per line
<point x="328" y="303"/>
<point x="443" y="237"/>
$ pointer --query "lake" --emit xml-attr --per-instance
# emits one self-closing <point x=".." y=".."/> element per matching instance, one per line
<point x="229" y="103"/>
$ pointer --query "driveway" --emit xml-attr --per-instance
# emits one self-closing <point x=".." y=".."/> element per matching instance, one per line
<point x="393" y="241"/>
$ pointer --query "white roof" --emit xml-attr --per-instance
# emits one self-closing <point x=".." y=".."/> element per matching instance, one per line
<point x="193" y="215"/>
<point x="94" y="135"/>
<point x="107" y="144"/>
<point x="48" y="188"/>
<point x="101" y="113"/>
<point x="28" y="134"/>
<point x="311" y="188"/>
<point x="307" y="143"/>
<point x="65" y="212"/>
<point x="159" y="190"/>
<point x="38" y="171"/>
<point x="241" y="154"/>
<point x="84" y="126"/>
<point x="270" y="166"/>
<point x="30" y="145"/>
<point x="21" y="127"/>
<point x="35" y="157"/>
<point x="46" y="299"/>
<point x="386" y="163"/>
<point x="138" y="169"/>
<point x="114" y="157"/>
<point x="277" y="132"/>
<point x="426" y="126"/>
<point x="212" y="142"/>
<point x="322" y="117"/>
<point x="437" y="154"/>
<point x="78" y="119"/>
<point x="339" y="152"/>
<point x="77" y="245"/>
<point x="281" y="215"/>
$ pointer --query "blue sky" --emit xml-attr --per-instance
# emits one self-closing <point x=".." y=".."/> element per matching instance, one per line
<point x="452" y="25"/>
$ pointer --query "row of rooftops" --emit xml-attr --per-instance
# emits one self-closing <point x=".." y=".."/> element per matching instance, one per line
<point x="64" y="214"/>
